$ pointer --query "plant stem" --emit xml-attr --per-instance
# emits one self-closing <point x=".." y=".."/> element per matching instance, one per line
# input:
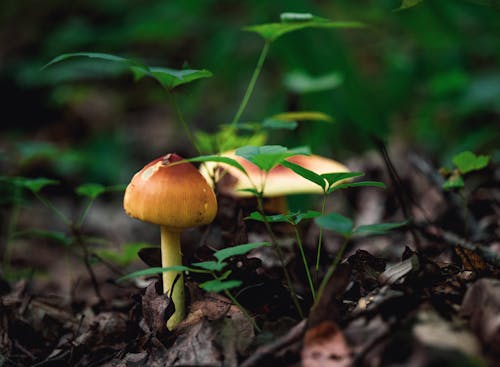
<point x="304" y="260"/>
<point x="242" y="309"/>
<point x="49" y="205"/>
<point x="85" y="212"/>
<point x="251" y="84"/>
<point x="276" y="247"/>
<point x="332" y="267"/>
<point x="320" y="239"/>
<point x="171" y="255"/>
<point x="183" y="122"/>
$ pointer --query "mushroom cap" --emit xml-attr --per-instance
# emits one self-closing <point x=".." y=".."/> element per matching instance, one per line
<point x="281" y="181"/>
<point x="176" y="196"/>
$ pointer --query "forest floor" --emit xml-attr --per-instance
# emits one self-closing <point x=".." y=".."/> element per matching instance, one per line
<point x="427" y="294"/>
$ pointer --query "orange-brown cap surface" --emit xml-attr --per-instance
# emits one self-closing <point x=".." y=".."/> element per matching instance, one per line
<point x="176" y="196"/>
<point x="281" y="181"/>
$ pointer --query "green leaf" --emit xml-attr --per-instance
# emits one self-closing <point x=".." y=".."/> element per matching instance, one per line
<point x="123" y="256"/>
<point x="300" y="216"/>
<point x="333" y="178"/>
<point x="276" y="218"/>
<point x="277" y="124"/>
<point x="216" y="158"/>
<point x="90" y="190"/>
<point x="358" y="184"/>
<point x="251" y="191"/>
<point x="379" y="228"/>
<point x="153" y="271"/>
<point x="267" y="157"/>
<point x="468" y="161"/>
<point x="454" y="182"/>
<point x="307" y="174"/>
<point x="210" y="265"/>
<point x="300" y="82"/>
<point x="218" y="285"/>
<point x="295" y="21"/>
<point x="337" y="223"/>
<point x="223" y="254"/>
<point x="303" y="116"/>
<point x="168" y="78"/>
<point x="35" y="184"/>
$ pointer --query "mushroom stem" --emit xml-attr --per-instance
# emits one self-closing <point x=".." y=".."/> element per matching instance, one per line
<point x="171" y="255"/>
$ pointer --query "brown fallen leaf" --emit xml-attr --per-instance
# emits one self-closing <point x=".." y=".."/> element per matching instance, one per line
<point x="325" y="346"/>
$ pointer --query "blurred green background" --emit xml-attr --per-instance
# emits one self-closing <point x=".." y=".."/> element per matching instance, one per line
<point x="426" y="78"/>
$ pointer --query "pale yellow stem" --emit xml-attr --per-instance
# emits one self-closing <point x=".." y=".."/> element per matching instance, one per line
<point x="171" y="255"/>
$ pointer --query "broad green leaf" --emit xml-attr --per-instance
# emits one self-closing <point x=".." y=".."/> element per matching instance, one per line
<point x="333" y="178"/>
<point x="300" y="82"/>
<point x="124" y="255"/>
<point x="223" y="254"/>
<point x="337" y="223"/>
<point x="307" y="174"/>
<point x="303" y="116"/>
<point x="357" y="184"/>
<point x="218" y="285"/>
<point x="276" y="124"/>
<point x="90" y="190"/>
<point x="168" y="78"/>
<point x="295" y="21"/>
<point x="35" y="184"/>
<point x="153" y="271"/>
<point x="405" y="4"/>
<point x="454" y="182"/>
<point x="378" y="228"/>
<point x="171" y="78"/>
<point x="267" y="157"/>
<point x="210" y="265"/>
<point x="468" y="161"/>
<point x="217" y="158"/>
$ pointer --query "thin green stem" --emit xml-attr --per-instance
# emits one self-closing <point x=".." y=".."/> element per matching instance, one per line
<point x="320" y="239"/>
<point x="281" y="257"/>
<point x="183" y="122"/>
<point x="49" y="205"/>
<point x="242" y="309"/>
<point x="304" y="260"/>
<point x="332" y="267"/>
<point x="85" y="212"/>
<point x="251" y="84"/>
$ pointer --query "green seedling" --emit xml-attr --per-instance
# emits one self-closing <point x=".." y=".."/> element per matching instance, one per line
<point x="221" y="281"/>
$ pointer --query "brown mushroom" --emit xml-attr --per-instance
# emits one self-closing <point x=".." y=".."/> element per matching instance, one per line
<point x="175" y="196"/>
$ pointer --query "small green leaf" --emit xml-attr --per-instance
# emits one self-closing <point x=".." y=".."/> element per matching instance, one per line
<point x="454" y="182"/>
<point x="210" y="265"/>
<point x="218" y="285"/>
<point x="379" y="228"/>
<point x="153" y="271"/>
<point x="357" y="184"/>
<point x="307" y="174"/>
<point x="277" y="124"/>
<point x="35" y="184"/>
<point x="277" y="218"/>
<point x="333" y="178"/>
<point x="303" y="116"/>
<point x="289" y="23"/>
<point x="468" y="161"/>
<point x="124" y="255"/>
<point x="336" y="222"/>
<point x="300" y="216"/>
<point x="300" y="82"/>
<point x="168" y="78"/>
<point x="267" y="157"/>
<point x="90" y="190"/>
<point x="223" y="254"/>
<point x="216" y="158"/>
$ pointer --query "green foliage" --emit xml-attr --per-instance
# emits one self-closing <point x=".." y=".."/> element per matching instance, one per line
<point x="295" y="21"/>
<point x="405" y="4"/>
<point x="226" y="253"/>
<point x="34" y="184"/>
<point x="292" y="218"/>
<point x="123" y="256"/>
<point x="300" y="82"/>
<point x="91" y="190"/>
<point x="467" y="162"/>
<point x="217" y="285"/>
<point x="168" y="78"/>
<point x="345" y="226"/>
<point x="267" y="157"/>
